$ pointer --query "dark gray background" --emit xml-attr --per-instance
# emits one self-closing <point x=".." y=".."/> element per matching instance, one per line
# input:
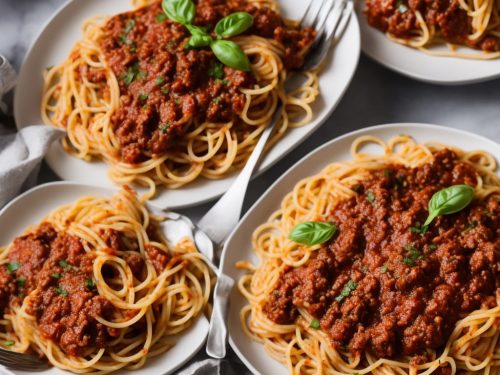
<point x="375" y="96"/>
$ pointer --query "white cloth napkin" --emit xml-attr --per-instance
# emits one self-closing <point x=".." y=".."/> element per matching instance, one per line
<point x="21" y="153"/>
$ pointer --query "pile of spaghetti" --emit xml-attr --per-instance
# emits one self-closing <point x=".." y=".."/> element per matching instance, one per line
<point x="426" y="25"/>
<point x="95" y="288"/>
<point x="159" y="113"/>
<point x="382" y="293"/>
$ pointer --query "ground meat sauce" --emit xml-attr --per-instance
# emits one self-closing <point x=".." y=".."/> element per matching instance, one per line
<point x="164" y="86"/>
<point x="398" y="18"/>
<point x="65" y="301"/>
<point x="381" y="285"/>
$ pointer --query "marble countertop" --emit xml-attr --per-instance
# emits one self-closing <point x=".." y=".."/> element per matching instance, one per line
<point x="375" y="96"/>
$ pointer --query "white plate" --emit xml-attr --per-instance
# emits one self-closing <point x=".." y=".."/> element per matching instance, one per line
<point x="238" y="246"/>
<point x="63" y="30"/>
<point x="416" y="64"/>
<point x="32" y="206"/>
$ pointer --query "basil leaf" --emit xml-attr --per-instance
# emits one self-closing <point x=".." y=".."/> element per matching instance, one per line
<point x="181" y="11"/>
<point x="449" y="201"/>
<point x="198" y="40"/>
<point x="230" y="54"/>
<point x="312" y="233"/>
<point x="234" y="24"/>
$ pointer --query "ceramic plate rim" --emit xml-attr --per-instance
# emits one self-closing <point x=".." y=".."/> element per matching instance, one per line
<point x="398" y="65"/>
<point x="201" y="323"/>
<point x="394" y="128"/>
<point x="217" y="187"/>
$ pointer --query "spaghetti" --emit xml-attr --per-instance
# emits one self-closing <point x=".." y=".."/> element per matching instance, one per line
<point x="130" y="93"/>
<point x="95" y="288"/>
<point x="385" y="295"/>
<point x="455" y="23"/>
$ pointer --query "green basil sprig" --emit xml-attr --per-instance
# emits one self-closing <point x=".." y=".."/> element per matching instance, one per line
<point x="312" y="232"/>
<point x="449" y="201"/>
<point x="229" y="53"/>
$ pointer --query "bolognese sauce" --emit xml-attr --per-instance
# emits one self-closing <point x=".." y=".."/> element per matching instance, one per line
<point x="398" y="18"/>
<point x="387" y="284"/>
<point x="164" y="85"/>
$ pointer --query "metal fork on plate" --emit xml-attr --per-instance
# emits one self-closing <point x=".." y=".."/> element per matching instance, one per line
<point x="329" y="18"/>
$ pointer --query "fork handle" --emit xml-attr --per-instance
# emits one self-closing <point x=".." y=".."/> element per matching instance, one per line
<point x="222" y="218"/>
<point x="217" y="334"/>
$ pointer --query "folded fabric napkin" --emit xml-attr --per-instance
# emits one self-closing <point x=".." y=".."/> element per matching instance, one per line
<point x="21" y="153"/>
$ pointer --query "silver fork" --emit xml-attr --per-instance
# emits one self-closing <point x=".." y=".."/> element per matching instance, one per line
<point x="329" y="18"/>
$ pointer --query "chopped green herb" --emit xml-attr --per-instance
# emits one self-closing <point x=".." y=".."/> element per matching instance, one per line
<point x="419" y="229"/>
<point x="142" y="74"/>
<point x="130" y="26"/>
<point x="160" y="17"/>
<point x="131" y="74"/>
<point x="9" y="342"/>
<point x="164" y="128"/>
<point x="383" y="269"/>
<point x="224" y="81"/>
<point x="471" y="226"/>
<point x="61" y="291"/>
<point x="165" y="91"/>
<point x="276" y="293"/>
<point x="370" y="197"/>
<point x="56" y="275"/>
<point x="143" y="96"/>
<point x="89" y="284"/>
<point x="12" y="267"/>
<point x="364" y="269"/>
<point x="217" y="100"/>
<point x="433" y="246"/>
<point x="20" y="281"/>
<point x="178" y="101"/>
<point x="349" y="287"/>
<point x="408" y="261"/>
<point x="387" y="173"/>
<point x="314" y="324"/>
<point x="159" y="80"/>
<point x="399" y="182"/>
<point x="65" y="265"/>
<point x="216" y="70"/>
<point x="413" y="255"/>
<point x="126" y="41"/>
<point x="171" y="45"/>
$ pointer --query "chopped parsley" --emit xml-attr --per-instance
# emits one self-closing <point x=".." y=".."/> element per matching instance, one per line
<point x="165" y="91"/>
<point x="65" y="265"/>
<point x="178" y="101"/>
<point x="172" y="44"/>
<point x="143" y="96"/>
<point x="9" y="342"/>
<point x="89" y="283"/>
<point x="433" y="246"/>
<point x="160" y="17"/>
<point x="349" y="287"/>
<point x="419" y="229"/>
<point x="164" y="128"/>
<point x="131" y="74"/>
<point x="61" y="291"/>
<point x="216" y="70"/>
<point x="126" y="41"/>
<point x="387" y="173"/>
<point x="413" y="255"/>
<point x="314" y="324"/>
<point x="159" y="80"/>
<point x="364" y="269"/>
<point x="56" y="275"/>
<point x="224" y="81"/>
<point x="383" y="269"/>
<point x="370" y="197"/>
<point x="142" y="74"/>
<point x="129" y="27"/>
<point x="471" y="226"/>
<point x="20" y="281"/>
<point x="217" y="100"/>
<point x="12" y="267"/>
<point x="399" y="182"/>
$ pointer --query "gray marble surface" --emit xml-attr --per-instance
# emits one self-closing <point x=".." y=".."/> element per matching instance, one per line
<point x="375" y="96"/>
